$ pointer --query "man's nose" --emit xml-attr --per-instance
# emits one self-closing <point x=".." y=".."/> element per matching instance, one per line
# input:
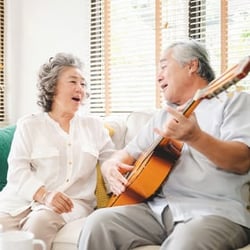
<point x="159" y="78"/>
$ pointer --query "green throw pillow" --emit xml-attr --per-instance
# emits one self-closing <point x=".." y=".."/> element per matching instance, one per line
<point x="6" y="135"/>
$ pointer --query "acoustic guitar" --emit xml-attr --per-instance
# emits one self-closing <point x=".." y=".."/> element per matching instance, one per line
<point x="154" y="165"/>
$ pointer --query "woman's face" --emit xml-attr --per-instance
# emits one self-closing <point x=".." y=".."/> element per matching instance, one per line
<point x="70" y="90"/>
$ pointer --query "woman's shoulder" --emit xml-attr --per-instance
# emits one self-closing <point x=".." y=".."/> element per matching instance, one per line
<point x="90" y="119"/>
<point x="31" y="118"/>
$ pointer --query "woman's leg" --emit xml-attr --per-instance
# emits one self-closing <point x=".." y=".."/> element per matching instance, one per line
<point x="12" y="222"/>
<point x="44" y="224"/>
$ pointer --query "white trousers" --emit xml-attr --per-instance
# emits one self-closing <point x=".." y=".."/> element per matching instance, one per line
<point x="44" y="224"/>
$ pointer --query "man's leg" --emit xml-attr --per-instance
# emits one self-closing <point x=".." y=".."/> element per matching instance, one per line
<point x="121" y="227"/>
<point x="207" y="233"/>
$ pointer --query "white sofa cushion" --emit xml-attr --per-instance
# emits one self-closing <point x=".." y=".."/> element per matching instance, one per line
<point x="118" y="124"/>
<point x="135" y="122"/>
<point x="67" y="237"/>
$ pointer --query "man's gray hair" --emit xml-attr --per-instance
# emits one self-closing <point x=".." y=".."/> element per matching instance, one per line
<point x="186" y="51"/>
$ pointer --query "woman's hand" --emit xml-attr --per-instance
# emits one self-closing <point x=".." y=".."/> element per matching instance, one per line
<point x="58" y="202"/>
<point x="113" y="171"/>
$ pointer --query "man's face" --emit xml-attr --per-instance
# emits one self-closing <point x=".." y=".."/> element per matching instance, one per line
<point x="173" y="79"/>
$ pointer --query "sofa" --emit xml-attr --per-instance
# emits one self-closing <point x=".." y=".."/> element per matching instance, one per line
<point x="122" y="130"/>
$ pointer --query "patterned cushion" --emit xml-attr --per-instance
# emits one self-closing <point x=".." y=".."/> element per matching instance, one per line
<point x="101" y="194"/>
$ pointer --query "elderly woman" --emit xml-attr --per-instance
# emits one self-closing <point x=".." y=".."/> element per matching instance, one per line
<point x="52" y="162"/>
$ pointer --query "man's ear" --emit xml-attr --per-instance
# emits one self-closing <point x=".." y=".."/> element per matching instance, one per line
<point x="193" y="66"/>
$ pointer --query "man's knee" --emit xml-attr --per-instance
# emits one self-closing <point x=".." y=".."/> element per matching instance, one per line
<point x="99" y="217"/>
<point x="208" y="232"/>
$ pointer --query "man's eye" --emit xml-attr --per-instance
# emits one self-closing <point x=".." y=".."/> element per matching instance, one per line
<point x="83" y="84"/>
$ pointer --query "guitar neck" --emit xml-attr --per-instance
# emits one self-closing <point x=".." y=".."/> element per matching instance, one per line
<point x="230" y="77"/>
<point x="190" y="107"/>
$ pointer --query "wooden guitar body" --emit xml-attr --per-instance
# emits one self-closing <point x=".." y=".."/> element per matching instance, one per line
<point x="150" y="171"/>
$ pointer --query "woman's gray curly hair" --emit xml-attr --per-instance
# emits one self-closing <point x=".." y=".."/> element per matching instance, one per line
<point x="48" y="76"/>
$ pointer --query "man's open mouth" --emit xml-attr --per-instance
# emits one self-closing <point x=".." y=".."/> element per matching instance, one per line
<point x="77" y="99"/>
<point x="164" y="86"/>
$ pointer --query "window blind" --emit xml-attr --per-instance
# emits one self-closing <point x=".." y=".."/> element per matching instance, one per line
<point x="238" y="33"/>
<point x="132" y="55"/>
<point x="225" y="30"/>
<point x="97" y="87"/>
<point x="127" y="38"/>
<point x="2" y="82"/>
<point x="123" y="77"/>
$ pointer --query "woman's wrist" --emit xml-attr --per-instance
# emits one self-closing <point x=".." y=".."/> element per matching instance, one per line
<point x="46" y="196"/>
<point x="43" y="198"/>
<point x="40" y="195"/>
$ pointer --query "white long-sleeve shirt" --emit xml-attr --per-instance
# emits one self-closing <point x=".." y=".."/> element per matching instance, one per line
<point x="43" y="154"/>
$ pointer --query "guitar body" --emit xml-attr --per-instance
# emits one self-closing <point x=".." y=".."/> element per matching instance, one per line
<point x="150" y="170"/>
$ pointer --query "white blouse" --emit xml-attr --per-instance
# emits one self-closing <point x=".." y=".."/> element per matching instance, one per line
<point x="44" y="154"/>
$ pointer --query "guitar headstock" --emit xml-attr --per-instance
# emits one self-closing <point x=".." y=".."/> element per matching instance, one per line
<point x="226" y="80"/>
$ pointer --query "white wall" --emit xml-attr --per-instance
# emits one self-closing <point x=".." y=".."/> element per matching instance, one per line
<point x="35" y="31"/>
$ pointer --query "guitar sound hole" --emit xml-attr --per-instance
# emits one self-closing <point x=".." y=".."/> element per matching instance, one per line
<point x="168" y="152"/>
